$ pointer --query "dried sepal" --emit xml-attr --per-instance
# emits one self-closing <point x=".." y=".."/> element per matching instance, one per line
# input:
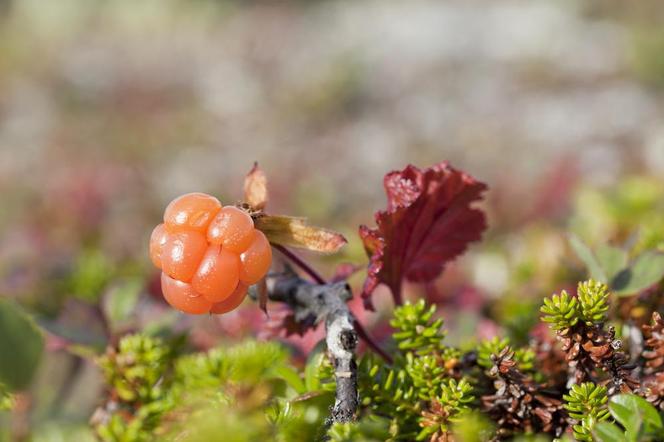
<point x="295" y="232"/>
<point x="255" y="189"/>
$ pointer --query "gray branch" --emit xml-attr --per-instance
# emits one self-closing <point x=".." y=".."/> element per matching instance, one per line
<point x="314" y="303"/>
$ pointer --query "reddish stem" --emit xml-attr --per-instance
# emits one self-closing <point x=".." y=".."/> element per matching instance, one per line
<point x="306" y="268"/>
<point x="398" y="299"/>
<point x="361" y="331"/>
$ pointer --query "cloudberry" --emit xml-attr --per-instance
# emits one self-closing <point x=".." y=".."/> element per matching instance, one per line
<point x="232" y="301"/>
<point x="208" y="254"/>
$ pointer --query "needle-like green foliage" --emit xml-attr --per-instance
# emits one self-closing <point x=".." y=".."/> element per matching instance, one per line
<point x="589" y="306"/>
<point x="587" y="404"/>
<point x="561" y="311"/>
<point x="417" y="329"/>
<point x="454" y="400"/>
<point x="525" y="357"/>
<point x="429" y="391"/>
<point x="593" y="301"/>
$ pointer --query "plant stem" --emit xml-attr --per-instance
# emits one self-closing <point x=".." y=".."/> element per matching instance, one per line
<point x="326" y="303"/>
<point x="362" y="333"/>
<point x="300" y="263"/>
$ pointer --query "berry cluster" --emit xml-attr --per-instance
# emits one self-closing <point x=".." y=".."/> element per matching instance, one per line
<point x="209" y="255"/>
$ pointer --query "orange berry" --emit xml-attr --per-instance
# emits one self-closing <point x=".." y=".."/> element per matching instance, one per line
<point x="232" y="228"/>
<point x="182" y="253"/>
<point x="217" y="275"/>
<point x="183" y="297"/>
<point x="157" y="241"/>
<point x="256" y="260"/>
<point x="232" y="302"/>
<point x="192" y="211"/>
<point x="209" y="255"/>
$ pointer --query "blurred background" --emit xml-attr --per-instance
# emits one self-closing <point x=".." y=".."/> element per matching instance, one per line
<point x="109" y="109"/>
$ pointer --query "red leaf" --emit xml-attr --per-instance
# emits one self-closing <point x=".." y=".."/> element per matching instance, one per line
<point x="428" y="222"/>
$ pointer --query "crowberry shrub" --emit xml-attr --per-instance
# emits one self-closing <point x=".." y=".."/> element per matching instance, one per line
<point x="588" y="365"/>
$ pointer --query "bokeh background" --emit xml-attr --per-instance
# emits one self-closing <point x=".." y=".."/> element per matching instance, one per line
<point x="109" y="109"/>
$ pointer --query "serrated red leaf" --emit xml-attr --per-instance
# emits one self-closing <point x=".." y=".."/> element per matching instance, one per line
<point x="428" y="222"/>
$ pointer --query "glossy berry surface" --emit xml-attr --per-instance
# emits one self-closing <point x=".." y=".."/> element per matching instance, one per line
<point x="192" y="211"/>
<point x="232" y="302"/>
<point x="209" y="255"/>
<point x="232" y="228"/>
<point x="256" y="259"/>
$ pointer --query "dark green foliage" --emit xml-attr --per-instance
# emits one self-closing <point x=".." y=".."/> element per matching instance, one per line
<point x="136" y="375"/>
<point x="241" y="393"/>
<point x="445" y="409"/>
<point x="431" y="391"/>
<point x="21" y="346"/>
<point x="523" y="356"/>
<point x="591" y="349"/>
<point x="389" y="392"/>
<point x="590" y="306"/>
<point x="422" y="392"/>
<point x="416" y="329"/>
<point x="134" y="371"/>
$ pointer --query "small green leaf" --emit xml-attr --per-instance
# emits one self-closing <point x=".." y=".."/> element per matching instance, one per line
<point x="633" y="411"/>
<point x="291" y="377"/>
<point x="611" y="259"/>
<point x="119" y="303"/>
<point x="646" y="270"/>
<point x="92" y="271"/>
<point x="607" y="432"/>
<point x="628" y="418"/>
<point x="588" y="258"/>
<point x="21" y="346"/>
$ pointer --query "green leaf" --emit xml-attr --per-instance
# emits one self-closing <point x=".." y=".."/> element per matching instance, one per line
<point x="628" y="418"/>
<point x="635" y="414"/>
<point x="21" y="346"/>
<point x="93" y="271"/>
<point x="612" y="260"/>
<point x="607" y="432"/>
<point x="120" y="302"/>
<point x="588" y="258"/>
<point x="292" y="378"/>
<point x="646" y="270"/>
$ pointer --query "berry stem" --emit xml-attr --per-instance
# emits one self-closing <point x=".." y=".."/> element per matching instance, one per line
<point x="361" y="331"/>
<point x="306" y="268"/>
